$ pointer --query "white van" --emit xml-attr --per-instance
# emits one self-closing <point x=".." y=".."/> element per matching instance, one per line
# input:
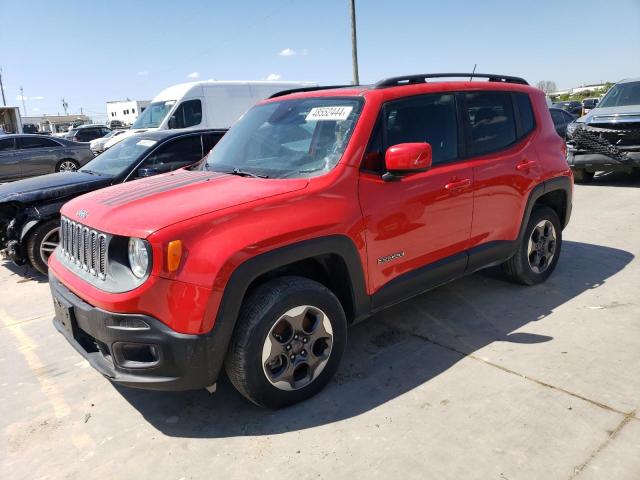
<point x="206" y="104"/>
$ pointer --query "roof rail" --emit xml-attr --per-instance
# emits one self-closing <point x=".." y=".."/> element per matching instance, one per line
<point x="308" y="89"/>
<point x="422" y="78"/>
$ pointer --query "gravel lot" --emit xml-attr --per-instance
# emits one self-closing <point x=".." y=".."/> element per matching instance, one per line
<point x="477" y="379"/>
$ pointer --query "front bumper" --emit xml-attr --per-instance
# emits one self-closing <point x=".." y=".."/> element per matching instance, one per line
<point x="135" y="350"/>
<point x="586" y="159"/>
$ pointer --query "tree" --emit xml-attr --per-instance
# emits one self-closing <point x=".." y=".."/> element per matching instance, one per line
<point x="547" y="86"/>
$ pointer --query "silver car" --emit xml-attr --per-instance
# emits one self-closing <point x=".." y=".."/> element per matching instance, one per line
<point x="24" y="156"/>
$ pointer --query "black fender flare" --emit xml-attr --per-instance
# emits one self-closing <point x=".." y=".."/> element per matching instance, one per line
<point x="245" y="273"/>
<point x="561" y="183"/>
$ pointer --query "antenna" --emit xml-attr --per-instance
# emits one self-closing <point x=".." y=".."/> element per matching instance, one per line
<point x="474" y="71"/>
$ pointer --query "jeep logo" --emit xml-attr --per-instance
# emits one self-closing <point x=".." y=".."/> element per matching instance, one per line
<point x="82" y="213"/>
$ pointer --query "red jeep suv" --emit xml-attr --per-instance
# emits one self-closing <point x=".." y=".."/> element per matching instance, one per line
<point x="317" y="209"/>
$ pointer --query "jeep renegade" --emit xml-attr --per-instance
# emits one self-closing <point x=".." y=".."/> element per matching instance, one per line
<point x="317" y="209"/>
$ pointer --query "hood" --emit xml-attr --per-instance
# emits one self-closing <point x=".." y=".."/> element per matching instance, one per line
<point x="629" y="113"/>
<point x="141" y="207"/>
<point x="54" y="185"/>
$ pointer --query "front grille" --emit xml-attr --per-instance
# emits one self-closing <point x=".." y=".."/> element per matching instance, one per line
<point x="84" y="247"/>
<point x="592" y="140"/>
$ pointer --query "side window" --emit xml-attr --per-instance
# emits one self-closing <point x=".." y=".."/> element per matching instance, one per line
<point x="427" y="118"/>
<point x="527" y="122"/>
<point x="175" y="154"/>
<point x="35" y="142"/>
<point x="6" y="144"/>
<point x="187" y="114"/>
<point x="209" y="140"/>
<point x="491" y="121"/>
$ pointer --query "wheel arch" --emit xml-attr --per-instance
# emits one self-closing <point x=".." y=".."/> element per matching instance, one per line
<point x="338" y="249"/>
<point x="554" y="193"/>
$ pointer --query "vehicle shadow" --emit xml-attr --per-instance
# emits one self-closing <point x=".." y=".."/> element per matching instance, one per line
<point x="615" y="179"/>
<point x="394" y="352"/>
<point x="27" y="272"/>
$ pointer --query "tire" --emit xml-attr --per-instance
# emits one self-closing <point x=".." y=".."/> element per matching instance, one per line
<point x="261" y="321"/>
<point x="522" y="268"/>
<point x="580" y="175"/>
<point x="67" y="165"/>
<point x="40" y="242"/>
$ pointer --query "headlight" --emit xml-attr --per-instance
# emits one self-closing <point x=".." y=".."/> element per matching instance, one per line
<point x="572" y="127"/>
<point x="139" y="257"/>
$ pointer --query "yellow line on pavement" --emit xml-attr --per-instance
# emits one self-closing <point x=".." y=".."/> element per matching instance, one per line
<point x="27" y="347"/>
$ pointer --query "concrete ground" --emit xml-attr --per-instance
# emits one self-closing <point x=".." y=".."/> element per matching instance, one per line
<point x="478" y="379"/>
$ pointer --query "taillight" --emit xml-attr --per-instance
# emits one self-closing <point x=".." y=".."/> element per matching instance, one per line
<point x="563" y="149"/>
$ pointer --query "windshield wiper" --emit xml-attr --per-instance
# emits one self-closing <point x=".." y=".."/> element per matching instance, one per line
<point x="242" y="173"/>
<point x="90" y="172"/>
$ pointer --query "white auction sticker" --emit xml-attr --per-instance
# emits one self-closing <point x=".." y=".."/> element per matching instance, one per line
<point x="147" y="143"/>
<point x="328" y="113"/>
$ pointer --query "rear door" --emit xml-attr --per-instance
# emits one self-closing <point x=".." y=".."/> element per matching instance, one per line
<point x="500" y="129"/>
<point x="9" y="165"/>
<point x="37" y="155"/>
<point x="417" y="228"/>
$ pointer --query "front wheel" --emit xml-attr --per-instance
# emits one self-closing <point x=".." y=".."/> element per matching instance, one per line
<point x="288" y="342"/>
<point x="67" y="165"/>
<point x="539" y="250"/>
<point x="41" y="244"/>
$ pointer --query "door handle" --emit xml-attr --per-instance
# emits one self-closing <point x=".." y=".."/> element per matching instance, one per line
<point x="457" y="185"/>
<point x="526" y="165"/>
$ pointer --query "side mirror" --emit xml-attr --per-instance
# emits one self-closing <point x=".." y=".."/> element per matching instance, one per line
<point x="406" y="158"/>
<point x="173" y="123"/>
<point x="147" y="172"/>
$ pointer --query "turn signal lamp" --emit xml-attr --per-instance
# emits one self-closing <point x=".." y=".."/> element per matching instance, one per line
<point x="174" y="255"/>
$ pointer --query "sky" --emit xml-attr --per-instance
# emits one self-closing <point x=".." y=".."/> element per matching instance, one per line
<point x="92" y="52"/>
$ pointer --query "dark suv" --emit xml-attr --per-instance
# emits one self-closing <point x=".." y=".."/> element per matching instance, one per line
<point x="86" y="133"/>
<point x="316" y="210"/>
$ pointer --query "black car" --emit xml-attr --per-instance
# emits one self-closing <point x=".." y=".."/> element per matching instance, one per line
<point x="561" y="119"/>
<point x="573" y="107"/>
<point x="30" y="209"/>
<point x="86" y="133"/>
<point x="24" y="156"/>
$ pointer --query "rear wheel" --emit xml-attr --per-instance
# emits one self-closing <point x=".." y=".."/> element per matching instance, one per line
<point x="41" y="244"/>
<point x="288" y="342"/>
<point x="538" y="253"/>
<point x="67" y="165"/>
<point x="580" y="175"/>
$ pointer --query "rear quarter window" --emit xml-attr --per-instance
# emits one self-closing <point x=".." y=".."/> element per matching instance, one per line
<point x="525" y="114"/>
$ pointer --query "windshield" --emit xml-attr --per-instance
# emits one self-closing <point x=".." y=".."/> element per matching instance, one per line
<point x="154" y="114"/>
<point x="290" y="138"/>
<point x="119" y="158"/>
<point x="621" y="95"/>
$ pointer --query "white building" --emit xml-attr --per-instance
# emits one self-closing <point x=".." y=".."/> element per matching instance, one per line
<point x="126" y="110"/>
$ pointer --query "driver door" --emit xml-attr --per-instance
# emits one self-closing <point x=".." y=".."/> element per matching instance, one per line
<point x="177" y="153"/>
<point x="418" y="227"/>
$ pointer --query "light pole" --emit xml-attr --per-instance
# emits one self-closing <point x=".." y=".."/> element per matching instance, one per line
<point x="354" y="44"/>
<point x="24" y="105"/>
<point x="4" y="102"/>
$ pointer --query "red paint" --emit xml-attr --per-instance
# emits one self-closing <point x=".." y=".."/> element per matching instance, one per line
<point x="224" y="220"/>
